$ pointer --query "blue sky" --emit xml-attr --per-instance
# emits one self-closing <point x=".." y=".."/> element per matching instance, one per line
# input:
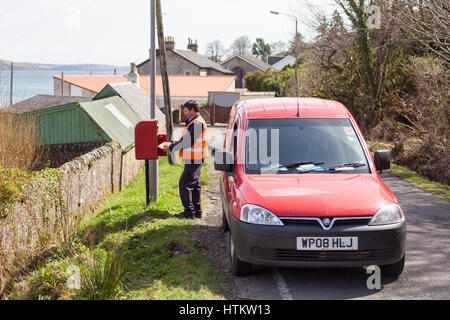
<point x="117" y="31"/>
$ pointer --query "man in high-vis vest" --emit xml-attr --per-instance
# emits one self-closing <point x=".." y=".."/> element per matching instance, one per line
<point x="193" y="147"/>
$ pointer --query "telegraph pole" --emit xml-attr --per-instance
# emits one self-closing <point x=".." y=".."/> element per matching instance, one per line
<point x="164" y="73"/>
<point x="152" y="165"/>
<point x="11" y="86"/>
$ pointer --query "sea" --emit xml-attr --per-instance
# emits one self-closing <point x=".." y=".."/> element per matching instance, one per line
<point x="28" y="83"/>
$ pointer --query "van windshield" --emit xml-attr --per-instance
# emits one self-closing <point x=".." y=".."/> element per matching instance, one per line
<point x="298" y="146"/>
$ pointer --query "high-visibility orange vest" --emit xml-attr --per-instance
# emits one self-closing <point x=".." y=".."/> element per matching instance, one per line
<point x="199" y="150"/>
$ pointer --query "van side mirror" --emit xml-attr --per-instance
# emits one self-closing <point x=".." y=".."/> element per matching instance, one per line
<point x="223" y="161"/>
<point x="382" y="160"/>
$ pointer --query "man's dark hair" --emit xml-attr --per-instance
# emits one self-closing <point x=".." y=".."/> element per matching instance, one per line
<point x="191" y="104"/>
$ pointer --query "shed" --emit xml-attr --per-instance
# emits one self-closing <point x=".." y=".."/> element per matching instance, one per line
<point x="135" y="97"/>
<point x="103" y="120"/>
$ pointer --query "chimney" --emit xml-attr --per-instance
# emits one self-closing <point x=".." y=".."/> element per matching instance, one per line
<point x="192" y="46"/>
<point x="133" y="76"/>
<point x="170" y="43"/>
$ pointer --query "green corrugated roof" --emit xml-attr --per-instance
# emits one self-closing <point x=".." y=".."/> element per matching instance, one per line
<point x="115" y="117"/>
<point x="110" y="119"/>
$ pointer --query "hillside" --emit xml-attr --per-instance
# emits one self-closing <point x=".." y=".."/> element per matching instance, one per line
<point x="5" y="65"/>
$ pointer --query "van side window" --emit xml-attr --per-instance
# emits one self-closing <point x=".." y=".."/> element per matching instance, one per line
<point x="233" y="149"/>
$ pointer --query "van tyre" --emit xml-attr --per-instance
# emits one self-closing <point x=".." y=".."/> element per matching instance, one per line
<point x="393" y="270"/>
<point x="238" y="267"/>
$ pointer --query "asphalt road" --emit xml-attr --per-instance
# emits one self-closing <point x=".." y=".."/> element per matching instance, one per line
<point x="426" y="274"/>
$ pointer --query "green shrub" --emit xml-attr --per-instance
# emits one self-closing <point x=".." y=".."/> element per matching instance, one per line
<point x="12" y="186"/>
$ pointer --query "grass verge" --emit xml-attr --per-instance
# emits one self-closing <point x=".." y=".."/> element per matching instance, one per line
<point x="129" y="251"/>
<point x="441" y="191"/>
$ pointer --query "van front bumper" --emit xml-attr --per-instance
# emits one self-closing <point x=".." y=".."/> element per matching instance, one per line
<point x="277" y="245"/>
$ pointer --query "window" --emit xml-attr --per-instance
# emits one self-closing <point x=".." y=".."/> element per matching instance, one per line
<point x="273" y="143"/>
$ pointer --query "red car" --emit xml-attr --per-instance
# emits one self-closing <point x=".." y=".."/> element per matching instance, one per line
<point x="300" y="189"/>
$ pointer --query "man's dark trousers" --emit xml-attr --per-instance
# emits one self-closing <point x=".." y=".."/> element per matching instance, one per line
<point x="190" y="188"/>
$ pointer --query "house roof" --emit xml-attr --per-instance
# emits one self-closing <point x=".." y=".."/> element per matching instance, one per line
<point x="180" y="86"/>
<point x="42" y="101"/>
<point x="274" y="59"/>
<point x="284" y="62"/>
<point x="258" y="63"/>
<point x="197" y="59"/>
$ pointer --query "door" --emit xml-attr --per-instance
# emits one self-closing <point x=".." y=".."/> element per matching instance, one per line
<point x="239" y="73"/>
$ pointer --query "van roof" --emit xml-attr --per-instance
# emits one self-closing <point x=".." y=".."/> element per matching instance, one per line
<point x="287" y="108"/>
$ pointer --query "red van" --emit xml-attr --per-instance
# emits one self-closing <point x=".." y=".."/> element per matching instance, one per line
<point x="300" y="189"/>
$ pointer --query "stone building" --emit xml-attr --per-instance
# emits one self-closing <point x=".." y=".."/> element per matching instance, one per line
<point x="241" y="64"/>
<point x="185" y="62"/>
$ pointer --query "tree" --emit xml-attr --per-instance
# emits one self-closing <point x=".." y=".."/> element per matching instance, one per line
<point x="281" y="82"/>
<point x="261" y="49"/>
<point x="278" y="47"/>
<point x="430" y="25"/>
<point x="215" y="50"/>
<point x="241" y="45"/>
<point x="355" y="10"/>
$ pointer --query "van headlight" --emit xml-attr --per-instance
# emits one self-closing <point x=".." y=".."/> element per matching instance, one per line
<point x="387" y="215"/>
<point x="259" y="215"/>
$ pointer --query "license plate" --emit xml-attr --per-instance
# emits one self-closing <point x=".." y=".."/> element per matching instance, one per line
<point x="327" y="243"/>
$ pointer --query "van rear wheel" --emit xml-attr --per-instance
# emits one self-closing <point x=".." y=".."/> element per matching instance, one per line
<point x="238" y="267"/>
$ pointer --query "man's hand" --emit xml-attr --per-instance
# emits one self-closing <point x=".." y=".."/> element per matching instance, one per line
<point x="165" y="146"/>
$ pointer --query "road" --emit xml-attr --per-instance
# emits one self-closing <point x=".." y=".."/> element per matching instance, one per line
<point x="426" y="274"/>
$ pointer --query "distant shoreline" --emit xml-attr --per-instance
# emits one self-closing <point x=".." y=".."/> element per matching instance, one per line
<point x="25" y="66"/>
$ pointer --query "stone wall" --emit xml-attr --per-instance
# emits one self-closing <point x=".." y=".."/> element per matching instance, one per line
<point x="52" y="207"/>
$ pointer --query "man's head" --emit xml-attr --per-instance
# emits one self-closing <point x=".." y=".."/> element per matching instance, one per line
<point x="190" y="108"/>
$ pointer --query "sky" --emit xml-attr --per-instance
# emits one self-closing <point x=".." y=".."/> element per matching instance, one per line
<point x="117" y="32"/>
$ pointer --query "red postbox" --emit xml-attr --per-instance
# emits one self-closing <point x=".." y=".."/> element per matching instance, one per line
<point x="147" y="140"/>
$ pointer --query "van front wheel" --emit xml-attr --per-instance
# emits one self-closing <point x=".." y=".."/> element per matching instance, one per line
<point x="238" y="267"/>
<point x="393" y="270"/>
<point x="225" y="226"/>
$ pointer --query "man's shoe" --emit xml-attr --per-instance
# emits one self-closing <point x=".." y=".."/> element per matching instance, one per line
<point x="184" y="215"/>
<point x="198" y="215"/>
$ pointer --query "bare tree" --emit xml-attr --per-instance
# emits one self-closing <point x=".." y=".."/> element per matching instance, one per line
<point x="215" y="50"/>
<point x="241" y="45"/>
<point x="429" y="23"/>
<point x="278" y="47"/>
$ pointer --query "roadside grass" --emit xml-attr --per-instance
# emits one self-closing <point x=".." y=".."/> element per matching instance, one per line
<point x="441" y="191"/>
<point x="129" y="251"/>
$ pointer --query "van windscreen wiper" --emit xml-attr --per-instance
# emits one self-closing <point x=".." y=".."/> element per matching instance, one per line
<point x="295" y="165"/>
<point x="301" y="163"/>
<point x="347" y="165"/>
